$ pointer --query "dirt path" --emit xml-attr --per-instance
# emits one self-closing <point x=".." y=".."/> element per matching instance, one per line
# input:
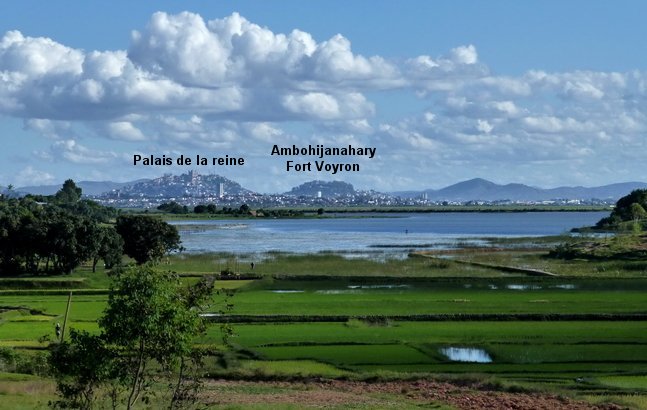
<point x="394" y="394"/>
<point x="503" y="268"/>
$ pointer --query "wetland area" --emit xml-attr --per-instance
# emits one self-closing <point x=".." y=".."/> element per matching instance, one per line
<point x="456" y="299"/>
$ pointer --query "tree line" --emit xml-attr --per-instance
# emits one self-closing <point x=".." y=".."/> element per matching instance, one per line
<point x="55" y="234"/>
<point x="243" y="210"/>
<point x="147" y="333"/>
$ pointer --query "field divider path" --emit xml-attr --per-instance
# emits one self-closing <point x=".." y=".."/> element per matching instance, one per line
<point x="503" y="268"/>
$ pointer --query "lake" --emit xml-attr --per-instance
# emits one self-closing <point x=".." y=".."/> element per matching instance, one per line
<point x="360" y="234"/>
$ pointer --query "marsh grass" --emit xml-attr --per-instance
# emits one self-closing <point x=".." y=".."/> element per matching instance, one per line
<point x="564" y="267"/>
<point x="531" y="254"/>
<point x="321" y="264"/>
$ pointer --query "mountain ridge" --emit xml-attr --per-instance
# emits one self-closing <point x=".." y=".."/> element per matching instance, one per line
<point x="475" y="189"/>
<point x="481" y="189"/>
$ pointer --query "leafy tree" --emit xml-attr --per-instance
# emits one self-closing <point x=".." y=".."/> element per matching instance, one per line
<point x="11" y="215"/>
<point x="147" y="238"/>
<point x="88" y="234"/>
<point x="81" y="365"/>
<point x="200" y="209"/>
<point x="637" y="211"/>
<point x="68" y="239"/>
<point x="60" y="236"/>
<point x="149" y="317"/>
<point x="147" y="334"/>
<point x="31" y="239"/>
<point x="623" y="206"/>
<point x="64" y="232"/>
<point x="173" y="208"/>
<point x="69" y="193"/>
<point x="630" y="207"/>
<point x="111" y="248"/>
<point x="91" y="209"/>
<point x="205" y="209"/>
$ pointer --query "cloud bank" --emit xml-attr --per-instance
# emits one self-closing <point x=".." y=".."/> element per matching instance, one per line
<point x="229" y="83"/>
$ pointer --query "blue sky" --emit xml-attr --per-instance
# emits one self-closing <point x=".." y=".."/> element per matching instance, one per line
<point x="546" y="93"/>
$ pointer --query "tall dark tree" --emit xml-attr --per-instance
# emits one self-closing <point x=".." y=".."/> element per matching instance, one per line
<point x="63" y="241"/>
<point x="69" y="193"/>
<point x="11" y="215"/>
<point x="173" y="208"/>
<point x="200" y="209"/>
<point x="627" y="209"/>
<point x="88" y="233"/>
<point x="110" y="249"/>
<point x="31" y="239"/>
<point x="147" y="238"/>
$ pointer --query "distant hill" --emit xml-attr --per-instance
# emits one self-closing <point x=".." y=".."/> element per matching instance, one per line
<point x="88" y="187"/>
<point x="193" y="184"/>
<point x="190" y="184"/>
<point x="482" y="189"/>
<point x="614" y="191"/>
<point x="328" y="189"/>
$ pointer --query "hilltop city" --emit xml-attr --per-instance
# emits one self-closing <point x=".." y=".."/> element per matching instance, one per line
<point x="193" y="188"/>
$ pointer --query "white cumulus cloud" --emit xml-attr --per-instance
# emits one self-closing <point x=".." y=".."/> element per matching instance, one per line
<point x="465" y="54"/>
<point x="72" y="151"/>
<point x="31" y="176"/>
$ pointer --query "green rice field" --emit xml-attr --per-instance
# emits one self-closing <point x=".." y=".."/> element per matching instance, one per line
<point x="582" y="334"/>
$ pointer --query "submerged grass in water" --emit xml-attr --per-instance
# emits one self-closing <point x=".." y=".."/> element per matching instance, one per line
<point x="322" y="264"/>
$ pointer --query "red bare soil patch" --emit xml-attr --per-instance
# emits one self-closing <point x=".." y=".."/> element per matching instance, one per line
<point x="339" y="393"/>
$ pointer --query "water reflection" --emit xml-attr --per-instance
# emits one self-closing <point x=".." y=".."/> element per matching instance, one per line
<point x="286" y="291"/>
<point x="466" y="354"/>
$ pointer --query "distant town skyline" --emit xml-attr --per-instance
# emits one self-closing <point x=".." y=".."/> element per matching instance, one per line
<point x="542" y="93"/>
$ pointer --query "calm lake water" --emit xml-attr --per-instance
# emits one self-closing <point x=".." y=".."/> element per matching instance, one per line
<point x="378" y="233"/>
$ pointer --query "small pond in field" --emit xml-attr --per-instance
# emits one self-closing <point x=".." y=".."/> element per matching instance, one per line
<point x="466" y="354"/>
<point x="378" y="286"/>
<point x="287" y="291"/>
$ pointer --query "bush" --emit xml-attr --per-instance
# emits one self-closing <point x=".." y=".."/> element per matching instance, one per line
<point x="8" y="359"/>
<point x="34" y="363"/>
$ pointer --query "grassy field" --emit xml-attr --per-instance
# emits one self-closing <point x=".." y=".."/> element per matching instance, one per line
<point x="338" y="297"/>
<point x="390" y="297"/>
